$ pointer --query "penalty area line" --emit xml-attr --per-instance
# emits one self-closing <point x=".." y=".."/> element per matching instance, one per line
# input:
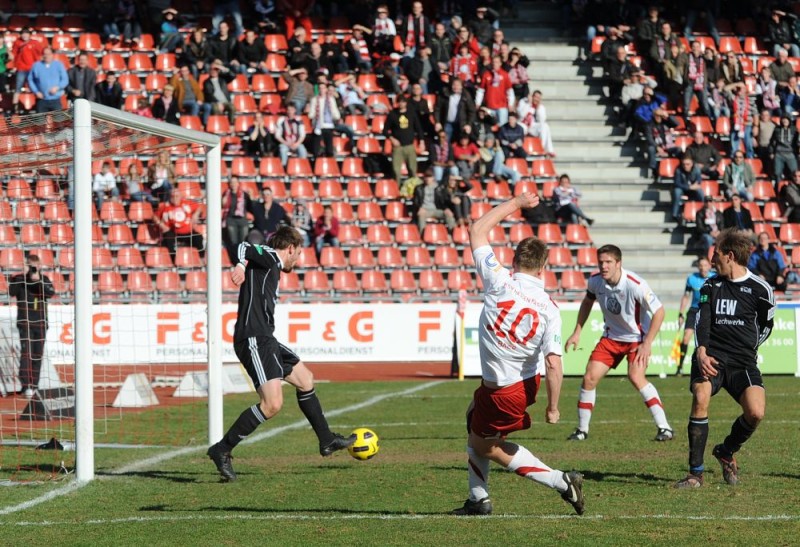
<point x="391" y="516"/>
<point x="148" y="462"/>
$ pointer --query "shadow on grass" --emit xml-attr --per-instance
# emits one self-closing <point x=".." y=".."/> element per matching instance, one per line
<point x="600" y="476"/>
<point x="181" y="477"/>
<point x="285" y="510"/>
<point x="783" y="475"/>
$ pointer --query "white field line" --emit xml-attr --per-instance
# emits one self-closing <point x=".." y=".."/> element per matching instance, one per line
<point x="418" y="517"/>
<point x="147" y="462"/>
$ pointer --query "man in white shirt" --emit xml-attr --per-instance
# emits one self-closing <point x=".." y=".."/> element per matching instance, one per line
<point x="633" y="315"/>
<point x="520" y="338"/>
<point x="533" y="117"/>
<point x="290" y="134"/>
<point x="105" y="185"/>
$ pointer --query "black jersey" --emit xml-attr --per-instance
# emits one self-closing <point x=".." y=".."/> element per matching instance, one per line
<point x="259" y="292"/>
<point x="735" y="317"/>
<point x="31" y="299"/>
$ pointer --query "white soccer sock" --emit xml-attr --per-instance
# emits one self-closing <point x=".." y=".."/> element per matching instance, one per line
<point x="478" y="468"/>
<point x="585" y="408"/>
<point x="529" y="466"/>
<point x="653" y="402"/>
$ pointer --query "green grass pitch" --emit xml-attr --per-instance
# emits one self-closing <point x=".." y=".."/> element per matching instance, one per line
<point x="288" y="495"/>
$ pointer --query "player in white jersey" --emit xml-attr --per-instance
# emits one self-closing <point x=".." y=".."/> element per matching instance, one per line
<point x="633" y="315"/>
<point x="520" y="338"/>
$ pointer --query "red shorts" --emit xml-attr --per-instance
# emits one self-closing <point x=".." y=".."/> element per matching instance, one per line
<point x="610" y="352"/>
<point x="498" y="412"/>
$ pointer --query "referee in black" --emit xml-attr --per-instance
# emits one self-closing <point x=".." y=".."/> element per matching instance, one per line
<point x="735" y="318"/>
<point x="266" y="360"/>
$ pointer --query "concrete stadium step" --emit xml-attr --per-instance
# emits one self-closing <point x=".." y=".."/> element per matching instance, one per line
<point x="582" y="173"/>
<point x="572" y="152"/>
<point x="549" y="52"/>
<point x="559" y="71"/>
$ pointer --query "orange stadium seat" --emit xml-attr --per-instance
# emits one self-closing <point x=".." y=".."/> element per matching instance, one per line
<point x="402" y="281"/>
<point x="330" y="189"/>
<point x="158" y="258"/>
<point x="369" y="211"/>
<point x="436" y="234"/>
<point x="187" y="258"/>
<point x="102" y="259"/>
<point x="350" y="234"/>
<point x="373" y="281"/>
<point x="407" y="234"/>
<point x="379" y="234"/>
<point x="89" y="41"/>
<point x="578" y="234"/>
<point x="361" y="258"/>
<point x="559" y="258"/>
<point x="460" y="279"/>
<point x="289" y="283"/>
<point x="772" y="212"/>
<point x="110" y="284"/>
<point x="759" y="227"/>
<point x="120" y="234"/>
<point x="308" y="258"/>
<point x="358" y="190"/>
<point x="550" y="281"/>
<point x="550" y="233"/>
<point x="263" y="83"/>
<point x="386" y="189"/>
<point x="431" y="281"/>
<point x="32" y="234"/>
<point x="302" y="189"/>
<point x="315" y="281"/>
<point x="276" y="43"/>
<point x="518" y="232"/>
<point x="345" y="281"/>
<point x="418" y="257"/>
<point x="763" y="191"/>
<point x="28" y="211"/>
<point x="573" y="281"/>
<point x="168" y="282"/>
<point x="333" y="258"/>
<point x="390" y="258"/>
<point x="12" y="260"/>
<point x="130" y="258"/>
<point x="446" y="257"/>
<point x="790" y="234"/>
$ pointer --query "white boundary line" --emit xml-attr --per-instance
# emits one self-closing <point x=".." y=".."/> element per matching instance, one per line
<point x="143" y="464"/>
<point x="388" y="516"/>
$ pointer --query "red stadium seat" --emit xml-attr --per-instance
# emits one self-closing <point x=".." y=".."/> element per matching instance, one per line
<point x="271" y="167"/>
<point x="315" y="281"/>
<point x="446" y="257"/>
<point x="12" y="260"/>
<point x="418" y="257"/>
<point x="32" y="234"/>
<point x="763" y="191"/>
<point x="460" y="279"/>
<point x="154" y="82"/>
<point x="308" y="258"/>
<point x="790" y="234"/>
<point x="333" y="258"/>
<point x="350" y="234"/>
<point x="130" y="258"/>
<point x="302" y="189"/>
<point x="431" y="281"/>
<point x="165" y="62"/>
<point x="28" y="211"/>
<point x="518" y="232"/>
<point x="402" y="281"/>
<point x="578" y="234"/>
<point x="498" y="190"/>
<point x="361" y="258"/>
<point x="330" y="189"/>
<point x="369" y="211"/>
<point x="772" y="212"/>
<point x="379" y="234"/>
<point x="573" y="281"/>
<point x="759" y="227"/>
<point x="559" y="258"/>
<point x="390" y="258"/>
<point x="587" y="258"/>
<point x="244" y="104"/>
<point x="386" y="190"/>
<point x="89" y="41"/>
<point x="168" y="282"/>
<point x="373" y="282"/>
<point x="187" y="258"/>
<point x="289" y="283"/>
<point x="276" y="62"/>
<point x="407" y="234"/>
<point x="110" y="284"/>
<point x="690" y="209"/>
<point x="61" y="234"/>
<point x="345" y="282"/>
<point x="358" y="190"/>
<point x="263" y="83"/>
<point x="276" y="43"/>
<point x="113" y="62"/>
<point x="550" y="233"/>
<point x="436" y="234"/>
<point x="120" y="234"/>
<point x="158" y="258"/>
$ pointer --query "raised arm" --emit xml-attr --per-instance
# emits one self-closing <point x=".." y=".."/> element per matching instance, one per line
<point x="479" y="232"/>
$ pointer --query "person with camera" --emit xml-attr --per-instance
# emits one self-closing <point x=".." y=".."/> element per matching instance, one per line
<point x="32" y="289"/>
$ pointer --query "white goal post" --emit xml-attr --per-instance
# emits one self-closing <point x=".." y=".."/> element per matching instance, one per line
<point x="84" y="113"/>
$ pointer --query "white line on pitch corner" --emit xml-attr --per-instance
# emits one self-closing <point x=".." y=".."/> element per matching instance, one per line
<point x="394" y="516"/>
<point x="143" y="464"/>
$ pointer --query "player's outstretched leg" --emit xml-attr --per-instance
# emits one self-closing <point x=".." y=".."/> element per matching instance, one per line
<point x="478" y="502"/>
<point x="220" y="453"/>
<point x="698" y="436"/>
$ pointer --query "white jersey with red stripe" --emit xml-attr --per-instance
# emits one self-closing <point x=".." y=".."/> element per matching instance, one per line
<point x="519" y="325"/>
<point x="627" y="306"/>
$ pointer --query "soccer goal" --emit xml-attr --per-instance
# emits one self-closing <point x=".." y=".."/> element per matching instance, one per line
<point x="133" y="349"/>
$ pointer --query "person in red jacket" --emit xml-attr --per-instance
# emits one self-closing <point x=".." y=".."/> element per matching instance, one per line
<point x="496" y="91"/>
<point x="326" y="230"/>
<point x="177" y="220"/>
<point x="24" y="53"/>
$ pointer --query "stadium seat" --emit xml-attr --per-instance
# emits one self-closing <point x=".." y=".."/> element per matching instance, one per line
<point x="270" y="103"/>
<point x="543" y="169"/>
<point x="244" y="104"/>
<point x="165" y="62"/>
<point x="478" y="209"/>
<point x="271" y="167"/>
<point x="368" y="145"/>
<point x="461" y="235"/>
<point x="577" y="234"/>
<point x="289" y="283"/>
<point x="386" y="189"/>
<point x="436" y="234"/>
<point x="330" y="189"/>
<point x="350" y="234"/>
<point x="353" y="167"/>
<point x="504" y="255"/>
<point x="763" y="191"/>
<point x="332" y="258"/>
<point x="18" y="189"/>
<point x="518" y="232"/>
<point x="396" y="212"/>
<point x="308" y="258"/>
<point x="63" y="42"/>
<point x="795" y="256"/>
<point x="402" y="281"/>
<point x="154" y="82"/>
<point x="572" y="281"/>
<point x="533" y="146"/>
<point x="755" y="210"/>
<point x="119" y="235"/>
<point x="772" y="212"/>
<point x="244" y="168"/>
<point x="46" y="257"/>
<point x="390" y="258"/>
<point x="110" y="284"/>
<point x="550" y="233"/>
<point x="263" y="83"/>
<point x="276" y="63"/>
<point x="168" y="282"/>
<point x="326" y="167"/>
<point x="587" y="258"/>
<point x="498" y="190"/>
<point x="130" y="258"/>
<point x="520" y="165"/>
<point x="431" y="281"/>
<point x="32" y="234"/>
<point x="299" y="167"/>
<point x="218" y="124"/>
<point x="361" y="258"/>
<point x="369" y="211"/>
<point x="418" y="257"/>
<point x="460" y="279"/>
<point x="6" y="212"/>
<point x="373" y="281"/>
<point x="407" y="234"/>
<point x="446" y="257"/>
<point x="345" y="281"/>
<point x="102" y="259"/>
<point x="89" y="41"/>
<point x="113" y="212"/>
<point x="197" y="283"/>
<point x="789" y="234"/>
<point x="12" y="260"/>
<point x="379" y="234"/>
<point x="276" y="43"/>
<point x="550" y="281"/>
<point x="302" y="189"/>
<point x="147" y="234"/>
<point x="158" y="258"/>
<point x="113" y="62"/>
<point x="187" y="258"/>
<point x="559" y="258"/>
<point x="759" y="227"/>
<point x="315" y="281"/>
<point x="711" y="188"/>
<point x="28" y="211"/>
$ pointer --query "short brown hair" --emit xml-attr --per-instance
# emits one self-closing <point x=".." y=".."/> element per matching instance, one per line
<point x="531" y="254"/>
<point x="612" y="250"/>
<point x="284" y="237"/>
<point x="737" y="242"/>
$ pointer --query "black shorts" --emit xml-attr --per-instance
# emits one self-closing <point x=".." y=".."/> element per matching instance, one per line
<point x="691" y="317"/>
<point x="734" y="380"/>
<point x="265" y="359"/>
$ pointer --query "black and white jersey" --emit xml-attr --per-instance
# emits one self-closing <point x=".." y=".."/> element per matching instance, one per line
<point x="259" y="292"/>
<point x="735" y="317"/>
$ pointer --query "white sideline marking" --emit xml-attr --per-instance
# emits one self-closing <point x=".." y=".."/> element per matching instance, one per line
<point x="141" y="464"/>
<point x="371" y="516"/>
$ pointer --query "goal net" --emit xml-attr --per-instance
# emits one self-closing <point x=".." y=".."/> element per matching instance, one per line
<point x="131" y="352"/>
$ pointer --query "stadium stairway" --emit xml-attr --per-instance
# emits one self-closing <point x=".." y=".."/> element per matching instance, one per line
<point x="629" y="210"/>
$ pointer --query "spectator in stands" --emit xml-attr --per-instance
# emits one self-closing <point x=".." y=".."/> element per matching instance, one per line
<point x="290" y="133"/>
<point x="421" y="70"/>
<point x="466" y="155"/>
<point x="742" y="121"/>
<point x="259" y="141"/>
<point x="4" y="61"/>
<point x="464" y="66"/>
<point x="661" y="51"/>
<point x="511" y="137"/>
<point x="737" y="216"/>
<point x="188" y="94"/>
<point x="767" y="93"/>
<point x="102" y="18"/>
<point x="109" y="92"/>
<point x="177" y="220"/>
<point x="267" y="213"/>
<point x="617" y="38"/>
<point x="443" y="160"/>
<point x="485" y="125"/>
<point x="790" y="97"/>
<point x="82" y="80"/>
<point x="24" y="54"/>
<point x="31" y="289"/>
<point x="718" y="101"/>
<point x="704" y="155"/>
<point x="165" y="107"/>
<point x="138" y="189"/>
<point x="672" y="82"/>
<point x="252" y="54"/>
<point x="493" y="161"/>
<point x="357" y="51"/>
<point x="647" y="30"/>
<point x="781" y="34"/>
<point x="142" y="108"/>
<point x="441" y="47"/>
<point x="430" y="201"/>
<point x="299" y="49"/>
<point x="333" y="54"/>
<point x="767" y="262"/>
<point x="620" y="72"/>
<point x="790" y="199"/>
<point x="781" y="68"/>
<point x="236" y="203"/>
<point x="687" y="182"/>
<point x="518" y="72"/>
<point x="660" y="138"/>
<point x="643" y="113"/>
<point x="316" y="64"/>
<point x="783" y="148"/>
<point x="215" y="91"/>
<point x="383" y="31"/>
<point x="694" y="80"/>
<point x="533" y="117"/>
<point x="707" y="225"/>
<point x="495" y="88"/>
<point x="739" y="178"/>
<point x="170" y="39"/>
<point x="454" y="111"/>
<point x="497" y="42"/>
<point x="731" y="69"/>
<point x="697" y="7"/>
<point x="300" y="89"/>
<point x="482" y="25"/>
<point x="401" y="129"/>
<point x="352" y="95"/>
<point x="457" y="199"/>
<point x="323" y="113"/>
<point x="301" y="221"/>
<point x="128" y="21"/>
<point x="104" y="185"/>
<point x="565" y="202"/>
<point x="48" y="81"/>
<point x="264" y="13"/>
<point x="454" y="28"/>
<point x="223" y="47"/>
<point x="224" y="8"/>
<point x="162" y="176"/>
<point x="297" y="15"/>
<point x="416" y="32"/>
<point x="631" y="94"/>
<point x="326" y="230"/>
<point x="197" y="53"/>
<point x="394" y="80"/>
<point x="763" y="129"/>
<point x="713" y="67"/>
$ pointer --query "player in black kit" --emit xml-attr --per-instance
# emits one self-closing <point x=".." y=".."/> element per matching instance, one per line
<point x="735" y="317"/>
<point x="266" y="360"/>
